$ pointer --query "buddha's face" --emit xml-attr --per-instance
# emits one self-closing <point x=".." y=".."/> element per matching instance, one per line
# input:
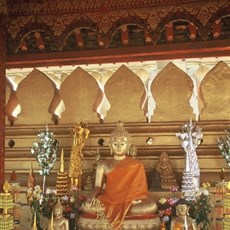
<point x="58" y="212"/>
<point x="119" y="145"/>
<point x="182" y="209"/>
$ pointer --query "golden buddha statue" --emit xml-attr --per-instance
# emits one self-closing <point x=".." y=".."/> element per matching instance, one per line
<point x="81" y="134"/>
<point x="59" y="222"/>
<point x="182" y="220"/>
<point x="120" y="185"/>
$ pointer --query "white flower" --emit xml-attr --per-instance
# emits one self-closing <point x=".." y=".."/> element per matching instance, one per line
<point x="198" y="193"/>
<point x="206" y="192"/>
<point x="65" y="198"/>
<point x="37" y="188"/>
<point x="48" y="191"/>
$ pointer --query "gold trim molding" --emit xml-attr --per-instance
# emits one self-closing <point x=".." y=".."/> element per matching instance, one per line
<point x="53" y="6"/>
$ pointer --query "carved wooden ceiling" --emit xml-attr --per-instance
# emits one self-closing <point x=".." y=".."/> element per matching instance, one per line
<point x="84" y="32"/>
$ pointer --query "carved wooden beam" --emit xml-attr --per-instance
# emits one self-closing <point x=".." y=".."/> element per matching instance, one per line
<point x="39" y="41"/>
<point x="79" y="38"/>
<point x="128" y="54"/>
<point x="125" y="35"/>
<point x="148" y="38"/>
<point x="192" y="31"/>
<point x="169" y="32"/>
<point x="216" y="29"/>
<point x="100" y="41"/>
<point x="22" y="45"/>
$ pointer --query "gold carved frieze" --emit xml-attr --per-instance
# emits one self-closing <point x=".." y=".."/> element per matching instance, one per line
<point x="106" y="20"/>
<point x="58" y="23"/>
<point x="3" y="7"/>
<point x="16" y="24"/>
<point x="112" y="15"/>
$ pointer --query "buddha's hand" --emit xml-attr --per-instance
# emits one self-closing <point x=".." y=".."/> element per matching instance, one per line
<point x="136" y="201"/>
<point x="90" y="201"/>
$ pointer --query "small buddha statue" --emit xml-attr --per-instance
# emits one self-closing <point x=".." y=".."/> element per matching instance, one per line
<point x="133" y="151"/>
<point x="93" y="169"/>
<point x="164" y="169"/>
<point x="59" y="222"/>
<point x="121" y="185"/>
<point x="182" y="220"/>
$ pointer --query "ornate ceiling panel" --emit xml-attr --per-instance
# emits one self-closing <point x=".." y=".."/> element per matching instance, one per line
<point x="46" y="27"/>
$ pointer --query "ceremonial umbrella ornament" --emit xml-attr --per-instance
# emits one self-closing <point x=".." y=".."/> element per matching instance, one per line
<point x="45" y="152"/>
<point x="191" y="137"/>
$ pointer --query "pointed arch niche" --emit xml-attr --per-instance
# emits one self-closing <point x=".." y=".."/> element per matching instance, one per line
<point x="152" y="98"/>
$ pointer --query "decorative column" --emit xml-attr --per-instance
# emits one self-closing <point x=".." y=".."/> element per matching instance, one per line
<point x="2" y="93"/>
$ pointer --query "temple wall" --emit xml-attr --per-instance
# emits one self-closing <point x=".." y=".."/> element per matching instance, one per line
<point x="152" y="99"/>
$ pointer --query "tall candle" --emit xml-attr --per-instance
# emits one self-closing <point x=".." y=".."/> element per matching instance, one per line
<point x="52" y="222"/>
<point x="35" y="222"/>
<point x="185" y="223"/>
<point x="62" y="162"/>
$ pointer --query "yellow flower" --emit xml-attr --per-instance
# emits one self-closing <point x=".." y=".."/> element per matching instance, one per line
<point x="162" y="200"/>
<point x="204" y="185"/>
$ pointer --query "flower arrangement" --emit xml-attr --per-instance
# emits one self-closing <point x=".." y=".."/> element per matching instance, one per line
<point x="165" y="208"/>
<point x="49" y="200"/>
<point x="200" y="208"/>
<point x="41" y="204"/>
<point x="203" y="206"/>
<point x="71" y="203"/>
<point x="34" y="199"/>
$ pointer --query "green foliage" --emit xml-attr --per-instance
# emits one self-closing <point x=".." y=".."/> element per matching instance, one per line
<point x="48" y="202"/>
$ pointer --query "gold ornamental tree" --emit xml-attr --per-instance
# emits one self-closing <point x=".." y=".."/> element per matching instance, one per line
<point x="80" y="134"/>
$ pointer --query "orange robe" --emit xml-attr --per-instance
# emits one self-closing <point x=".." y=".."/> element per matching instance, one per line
<point x="179" y="226"/>
<point x="125" y="183"/>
